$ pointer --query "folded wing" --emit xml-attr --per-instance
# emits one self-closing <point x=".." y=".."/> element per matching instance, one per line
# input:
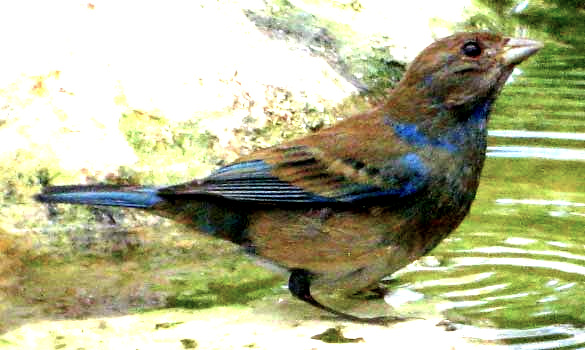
<point x="300" y="174"/>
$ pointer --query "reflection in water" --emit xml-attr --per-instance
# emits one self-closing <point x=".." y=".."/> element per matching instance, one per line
<point x="490" y="250"/>
<point x="538" y="134"/>
<point x="536" y="152"/>
<point x="527" y="339"/>
<point x="514" y="278"/>
<point x="544" y="202"/>
<point x="539" y="202"/>
<point x="523" y="263"/>
<point x="523" y="298"/>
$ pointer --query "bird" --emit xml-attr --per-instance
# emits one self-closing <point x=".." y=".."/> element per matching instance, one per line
<point x="352" y="203"/>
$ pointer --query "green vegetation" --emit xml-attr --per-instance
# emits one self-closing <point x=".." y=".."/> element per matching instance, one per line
<point x="160" y="144"/>
<point x="366" y="62"/>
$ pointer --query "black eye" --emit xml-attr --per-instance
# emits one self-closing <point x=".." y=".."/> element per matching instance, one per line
<point x="471" y="49"/>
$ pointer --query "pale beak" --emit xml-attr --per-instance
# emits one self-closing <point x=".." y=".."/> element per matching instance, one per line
<point x="517" y="50"/>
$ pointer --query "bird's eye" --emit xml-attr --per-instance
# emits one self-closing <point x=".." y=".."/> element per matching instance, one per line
<point x="471" y="49"/>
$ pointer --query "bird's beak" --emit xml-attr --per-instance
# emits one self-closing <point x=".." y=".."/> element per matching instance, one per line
<point x="517" y="50"/>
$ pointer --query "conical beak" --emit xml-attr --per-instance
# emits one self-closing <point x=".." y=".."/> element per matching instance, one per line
<point x="517" y="50"/>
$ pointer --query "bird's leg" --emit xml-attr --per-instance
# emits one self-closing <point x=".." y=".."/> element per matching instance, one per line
<point x="299" y="284"/>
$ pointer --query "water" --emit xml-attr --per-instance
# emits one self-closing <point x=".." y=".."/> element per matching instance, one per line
<point x="513" y="275"/>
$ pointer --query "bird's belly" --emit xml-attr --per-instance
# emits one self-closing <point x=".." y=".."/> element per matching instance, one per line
<point x="347" y="250"/>
<point x="319" y="239"/>
<point x="353" y="249"/>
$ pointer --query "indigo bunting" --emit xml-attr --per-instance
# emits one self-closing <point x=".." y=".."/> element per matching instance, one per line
<point x="351" y="204"/>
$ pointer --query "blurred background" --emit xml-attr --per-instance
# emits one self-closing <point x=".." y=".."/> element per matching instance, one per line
<point x="159" y="93"/>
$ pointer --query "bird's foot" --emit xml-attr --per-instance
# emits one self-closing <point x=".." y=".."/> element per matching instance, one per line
<point x="299" y="285"/>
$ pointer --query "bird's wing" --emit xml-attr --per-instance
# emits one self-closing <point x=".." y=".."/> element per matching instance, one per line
<point x="304" y="174"/>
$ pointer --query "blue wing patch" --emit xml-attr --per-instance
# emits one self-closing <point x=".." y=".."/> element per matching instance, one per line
<point x="405" y="177"/>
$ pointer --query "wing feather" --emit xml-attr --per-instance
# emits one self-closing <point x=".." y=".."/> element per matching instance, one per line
<point x="299" y="174"/>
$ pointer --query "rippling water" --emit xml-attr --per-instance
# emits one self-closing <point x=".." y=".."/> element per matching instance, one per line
<point x="513" y="275"/>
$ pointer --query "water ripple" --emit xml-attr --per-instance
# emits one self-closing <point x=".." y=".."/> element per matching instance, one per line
<point x="538" y="134"/>
<point x="573" y="337"/>
<point x="539" y="202"/>
<point x="536" y="152"/>
<point x="499" y="249"/>
<point x="521" y="262"/>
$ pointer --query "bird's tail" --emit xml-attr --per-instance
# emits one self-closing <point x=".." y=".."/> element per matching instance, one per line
<point x="107" y="195"/>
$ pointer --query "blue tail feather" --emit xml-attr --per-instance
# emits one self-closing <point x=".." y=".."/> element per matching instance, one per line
<point x="106" y="195"/>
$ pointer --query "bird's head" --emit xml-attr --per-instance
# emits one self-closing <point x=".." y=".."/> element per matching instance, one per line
<point x="465" y="68"/>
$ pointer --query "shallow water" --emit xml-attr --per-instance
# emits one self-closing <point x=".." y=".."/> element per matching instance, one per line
<point x="513" y="274"/>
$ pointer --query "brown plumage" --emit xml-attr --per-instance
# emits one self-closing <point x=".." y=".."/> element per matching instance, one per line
<point x="353" y="203"/>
